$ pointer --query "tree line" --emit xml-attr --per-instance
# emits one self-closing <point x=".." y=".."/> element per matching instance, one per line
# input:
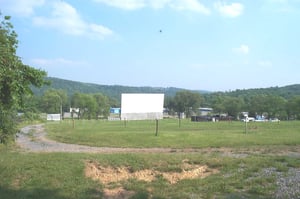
<point x="270" y="105"/>
<point x="54" y="101"/>
<point x="94" y="106"/>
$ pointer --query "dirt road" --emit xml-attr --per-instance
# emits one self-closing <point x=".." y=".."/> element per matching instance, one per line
<point x="33" y="138"/>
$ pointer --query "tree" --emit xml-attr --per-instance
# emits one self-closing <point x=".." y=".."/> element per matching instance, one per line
<point x="186" y="101"/>
<point x="293" y="107"/>
<point x="30" y="107"/>
<point x="86" y="103"/>
<point x="78" y="102"/>
<point x="15" y="79"/>
<point x="90" y="105"/>
<point x="54" y="101"/>
<point x="275" y="106"/>
<point x="233" y="105"/>
<point x="258" y="104"/>
<point x="169" y="104"/>
<point x="103" y="105"/>
<point x="272" y="105"/>
<point x="217" y="102"/>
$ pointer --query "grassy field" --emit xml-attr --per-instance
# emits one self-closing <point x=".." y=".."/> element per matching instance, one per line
<point x="227" y="175"/>
<point x="189" y="135"/>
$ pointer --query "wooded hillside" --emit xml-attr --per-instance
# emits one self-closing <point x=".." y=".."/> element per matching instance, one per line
<point x="112" y="91"/>
<point x="286" y="92"/>
<point x="279" y="102"/>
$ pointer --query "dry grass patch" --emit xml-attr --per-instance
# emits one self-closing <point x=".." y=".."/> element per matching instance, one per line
<point x="112" y="177"/>
<point x="107" y="175"/>
<point x="118" y="193"/>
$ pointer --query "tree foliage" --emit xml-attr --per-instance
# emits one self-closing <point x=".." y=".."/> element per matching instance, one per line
<point x="293" y="108"/>
<point x="232" y="105"/>
<point x="103" y="105"/>
<point x="186" y="101"/>
<point x="91" y="105"/>
<point x="54" y="101"/>
<point x="15" y="79"/>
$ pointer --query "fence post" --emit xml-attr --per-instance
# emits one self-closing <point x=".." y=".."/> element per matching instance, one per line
<point x="156" y="127"/>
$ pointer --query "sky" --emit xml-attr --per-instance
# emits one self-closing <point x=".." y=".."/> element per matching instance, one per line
<point x="212" y="45"/>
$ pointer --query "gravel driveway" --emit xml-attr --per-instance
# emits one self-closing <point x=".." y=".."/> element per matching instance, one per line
<point x="33" y="138"/>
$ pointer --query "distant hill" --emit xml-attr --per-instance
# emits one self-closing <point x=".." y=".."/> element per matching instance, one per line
<point x="113" y="91"/>
<point x="286" y="91"/>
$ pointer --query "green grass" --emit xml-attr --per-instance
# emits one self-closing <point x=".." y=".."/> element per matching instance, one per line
<point x="62" y="175"/>
<point x="189" y="135"/>
<point x="26" y="175"/>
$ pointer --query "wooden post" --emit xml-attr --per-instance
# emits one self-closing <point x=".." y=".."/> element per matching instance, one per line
<point x="246" y="121"/>
<point x="156" y="127"/>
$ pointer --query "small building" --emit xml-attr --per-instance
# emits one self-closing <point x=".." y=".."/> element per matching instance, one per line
<point x="53" y="117"/>
<point x="114" y="114"/>
<point x="115" y="110"/>
<point x="74" y="112"/>
<point x="205" y="111"/>
<point x="202" y="114"/>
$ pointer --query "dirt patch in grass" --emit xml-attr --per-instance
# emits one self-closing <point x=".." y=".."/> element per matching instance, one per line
<point x="107" y="175"/>
<point x="117" y="193"/>
<point x="112" y="177"/>
<point x="17" y="182"/>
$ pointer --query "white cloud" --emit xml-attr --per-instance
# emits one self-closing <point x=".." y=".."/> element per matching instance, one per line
<point x="95" y="28"/>
<point x="65" y="18"/>
<point x="124" y="4"/>
<point x="191" y="5"/>
<point x="180" y="5"/>
<point x="265" y="63"/>
<point x="243" y="49"/>
<point x="22" y="8"/>
<point x="229" y="10"/>
<point x="158" y="4"/>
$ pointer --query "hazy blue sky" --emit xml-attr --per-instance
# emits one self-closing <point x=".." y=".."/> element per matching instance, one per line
<point x="195" y="44"/>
